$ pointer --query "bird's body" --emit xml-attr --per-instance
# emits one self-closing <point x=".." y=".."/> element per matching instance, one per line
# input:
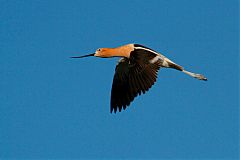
<point x="135" y="72"/>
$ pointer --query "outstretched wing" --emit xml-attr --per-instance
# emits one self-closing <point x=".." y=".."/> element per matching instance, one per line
<point x="133" y="76"/>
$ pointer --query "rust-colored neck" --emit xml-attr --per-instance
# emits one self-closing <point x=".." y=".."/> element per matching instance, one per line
<point x="122" y="51"/>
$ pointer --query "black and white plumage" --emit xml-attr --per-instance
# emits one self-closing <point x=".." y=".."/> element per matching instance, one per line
<point x="133" y="76"/>
<point x="135" y="72"/>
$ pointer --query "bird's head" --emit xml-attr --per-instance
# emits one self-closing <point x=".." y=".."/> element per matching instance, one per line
<point x="101" y="52"/>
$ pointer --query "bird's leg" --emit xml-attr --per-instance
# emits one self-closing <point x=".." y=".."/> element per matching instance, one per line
<point x="195" y="75"/>
<point x="169" y="64"/>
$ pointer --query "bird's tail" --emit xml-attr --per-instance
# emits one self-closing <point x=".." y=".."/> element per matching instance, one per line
<point x="170" y="64"/>
<point x="175" y="66"/>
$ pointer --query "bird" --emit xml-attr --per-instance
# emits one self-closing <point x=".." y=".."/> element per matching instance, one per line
<point x="136" y="72"/>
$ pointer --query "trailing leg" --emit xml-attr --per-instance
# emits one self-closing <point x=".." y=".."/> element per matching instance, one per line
<point x="170" y="64"/>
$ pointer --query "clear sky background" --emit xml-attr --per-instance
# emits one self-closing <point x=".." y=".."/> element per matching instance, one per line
<point x="52" y="106"/>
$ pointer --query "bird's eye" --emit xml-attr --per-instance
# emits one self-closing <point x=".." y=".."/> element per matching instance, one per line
<point x="99" y="49"/>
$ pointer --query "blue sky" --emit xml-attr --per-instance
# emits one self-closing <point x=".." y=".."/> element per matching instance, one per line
<point x="52" y="106"/>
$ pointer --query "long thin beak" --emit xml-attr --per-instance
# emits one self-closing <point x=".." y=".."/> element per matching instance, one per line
<point x="88" y="55"/>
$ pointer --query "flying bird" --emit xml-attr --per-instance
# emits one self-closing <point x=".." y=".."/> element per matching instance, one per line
<point x="135" y="72"/>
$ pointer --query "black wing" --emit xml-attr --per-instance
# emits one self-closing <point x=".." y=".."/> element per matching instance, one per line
<point x="132" y="77"/>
